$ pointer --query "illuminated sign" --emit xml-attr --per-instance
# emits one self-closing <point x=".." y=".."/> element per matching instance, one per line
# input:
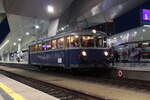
<point x="146" y="14"/>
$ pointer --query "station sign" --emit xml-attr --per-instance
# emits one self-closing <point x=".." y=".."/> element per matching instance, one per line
<point x="146" y="16"/>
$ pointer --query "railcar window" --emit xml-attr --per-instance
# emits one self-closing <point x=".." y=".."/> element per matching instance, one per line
<point x="99" y="41"/>
<point x="88" y="41"/>
<point x="36" y="47"/>
<point x="60" y="43"/>
<point x="47" y="45"/>
<point x="33" y="48"/>
<point x="75" y="41"/>
<point x="54" y="44"/>
<point x="39" y="47"/>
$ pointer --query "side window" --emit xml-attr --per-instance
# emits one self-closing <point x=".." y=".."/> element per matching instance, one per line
<point x="33" y="48"/>
<point x="40" y="47"/>
<point x="46" y="45"/>
<point x="60" y="43"/>
<point x="75" y="41"/>
<point x="36" y="47"/>
<point x="54" y="44"/>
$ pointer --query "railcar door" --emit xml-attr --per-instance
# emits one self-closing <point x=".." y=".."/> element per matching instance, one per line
<point x="66" y="52"/>
<point x="66" y="57"/>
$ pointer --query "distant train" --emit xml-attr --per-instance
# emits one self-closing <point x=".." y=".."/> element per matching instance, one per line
<point x="83" y="49"/>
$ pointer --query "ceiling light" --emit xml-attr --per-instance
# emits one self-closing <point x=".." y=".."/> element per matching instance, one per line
<point x="19" y="39"/>
<point x="62" y="29"/>
<point x="50" y="9"/>
<point x="14" y="44"/>
<point x="94" y="31"/>
<point x="37" y="26"/>
<point x="135" y="32"/>
<point x="27" y="33"/>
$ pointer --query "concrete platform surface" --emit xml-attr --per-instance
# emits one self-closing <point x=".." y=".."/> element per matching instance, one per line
<point x="133" y="66"/>
<point x="19" y="91"/>
<point x="97" y="89"/>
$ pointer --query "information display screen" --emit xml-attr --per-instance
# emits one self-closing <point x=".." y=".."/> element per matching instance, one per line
<point x="146" y="14"/>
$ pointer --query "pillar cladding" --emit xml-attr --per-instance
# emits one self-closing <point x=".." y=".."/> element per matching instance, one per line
<point x="52" y="30"/>
<point x="2" y="10"/>
<point x="76" y="9"/>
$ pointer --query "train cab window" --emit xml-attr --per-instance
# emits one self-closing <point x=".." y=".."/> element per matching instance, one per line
<point x="75" y="41"/>
<point x="46" y="45"/>
<point x="60" y="43"/>
<point x="88" y="41"/>
<point x="99" y="41"/>
<point x="54" y="44"/>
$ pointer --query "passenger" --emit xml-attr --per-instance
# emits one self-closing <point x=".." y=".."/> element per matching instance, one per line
<point x="112" y="56"/>
<point x="132" y="54"/>
<point x="116" y="56"/>
<point x="18" y="59"/>
<point x="139" y="52"/>
<point x="75" y="43"/>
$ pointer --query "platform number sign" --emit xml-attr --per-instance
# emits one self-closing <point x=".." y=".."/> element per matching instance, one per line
<point x="146" y="16"/>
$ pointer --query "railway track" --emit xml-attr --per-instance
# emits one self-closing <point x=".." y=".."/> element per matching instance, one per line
<point x="126" y="83"/>
<point x="60" y="92"/>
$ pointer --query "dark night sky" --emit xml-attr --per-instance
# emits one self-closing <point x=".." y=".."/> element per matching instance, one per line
<point x="4" y="29"/>
<point x="131" y="19"/>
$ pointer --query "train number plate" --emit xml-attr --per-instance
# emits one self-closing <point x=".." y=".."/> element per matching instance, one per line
<point x="59" y="60"/>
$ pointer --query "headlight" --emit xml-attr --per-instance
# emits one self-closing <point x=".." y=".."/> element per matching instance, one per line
<point x="106" y="53"/>
<point x="84" y="53"/>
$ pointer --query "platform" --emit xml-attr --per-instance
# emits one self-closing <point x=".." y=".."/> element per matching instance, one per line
<point x="138" y="71"/>
<point x="13" y="90"/>
<point x="133" y="66"/>
<point x="97" y="89"/>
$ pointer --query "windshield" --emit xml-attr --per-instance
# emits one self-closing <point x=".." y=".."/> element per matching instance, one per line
<point x="88" y="41"/>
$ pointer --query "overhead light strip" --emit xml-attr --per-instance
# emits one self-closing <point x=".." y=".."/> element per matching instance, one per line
<point x="4" y="44"/>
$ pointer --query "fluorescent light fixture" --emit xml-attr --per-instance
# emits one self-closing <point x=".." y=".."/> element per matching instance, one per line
<point x="4" y="44"/>
<point x="50" y="9"/>
<point x="147" y="26"/>
<point x="146" y="43"/>
<point x="121" y="36"/>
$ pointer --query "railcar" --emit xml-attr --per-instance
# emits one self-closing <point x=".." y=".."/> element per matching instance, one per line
<point x="82" y="49"/>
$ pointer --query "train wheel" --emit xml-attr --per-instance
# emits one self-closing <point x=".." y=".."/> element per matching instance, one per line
<point x="41" y="68"/>
<point x="120" y="73"/>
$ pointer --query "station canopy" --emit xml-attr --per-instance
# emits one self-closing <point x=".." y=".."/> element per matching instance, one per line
<point x="29" y="20"/>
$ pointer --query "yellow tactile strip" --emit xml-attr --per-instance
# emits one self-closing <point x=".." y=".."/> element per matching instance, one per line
<point x="11" y="93"/>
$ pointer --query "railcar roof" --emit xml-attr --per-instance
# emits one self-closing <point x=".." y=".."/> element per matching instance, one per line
<point x="87" y="32"/>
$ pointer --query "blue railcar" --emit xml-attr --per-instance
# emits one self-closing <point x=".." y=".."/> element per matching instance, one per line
<point x="82" y="49"/>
